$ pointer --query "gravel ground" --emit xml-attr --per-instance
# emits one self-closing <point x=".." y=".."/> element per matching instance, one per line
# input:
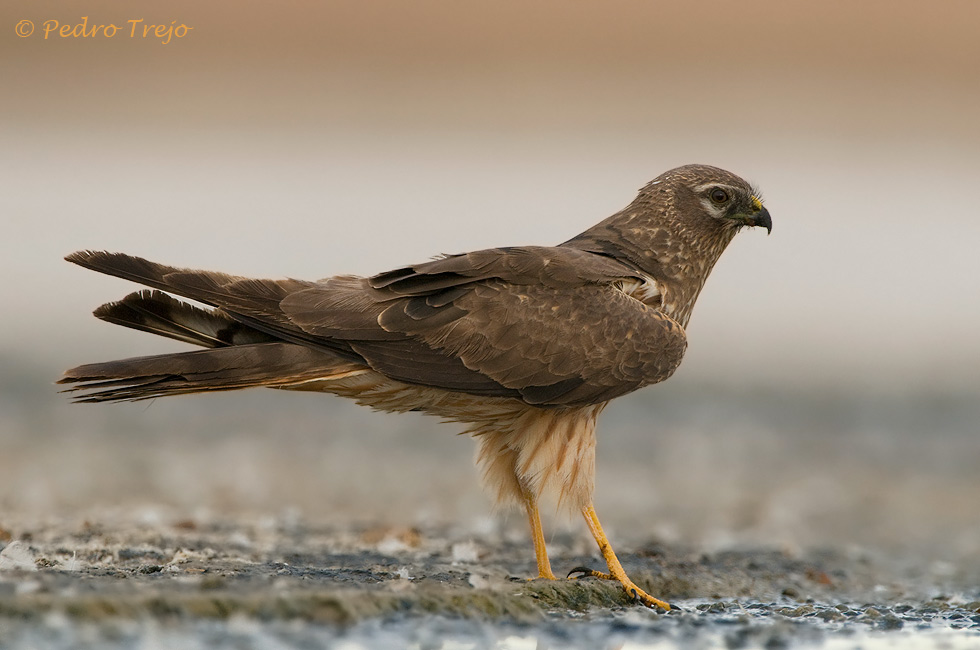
<point x="280" y="583"/>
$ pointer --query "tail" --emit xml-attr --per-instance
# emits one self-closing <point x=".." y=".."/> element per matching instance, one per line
<point x="255" y="303"/>
<point x="240" y="356"/>
<point x="274" y="365"/>
<point x="141" y="271"/>
<point x="159" y="313"/>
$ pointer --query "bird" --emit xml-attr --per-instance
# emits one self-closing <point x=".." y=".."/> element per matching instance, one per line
<point x="524" y="345"/>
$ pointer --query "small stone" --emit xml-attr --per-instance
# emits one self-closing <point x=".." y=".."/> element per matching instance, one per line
<point x="890" y="622"/>
<point x="829" y="615"/>
<point x="149" y="568"/>
<point x="796" y="612"/>
<point x="17" y="556"/>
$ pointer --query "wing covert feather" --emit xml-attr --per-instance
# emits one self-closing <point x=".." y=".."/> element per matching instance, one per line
<point x="550" y="266"/>
<point x="547" y="345"/>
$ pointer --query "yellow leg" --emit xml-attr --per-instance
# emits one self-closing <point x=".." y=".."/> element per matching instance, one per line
<point x="616" y="571"/>
<point x="537" y="534"/>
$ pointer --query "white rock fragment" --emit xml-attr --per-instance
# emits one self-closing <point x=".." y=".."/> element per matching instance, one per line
<point x="465" y="553"/>
<point x="403" y="573"/>
<point x="391" y="545"/>
<point x="479" y="581"/>
<point x="17" y="556"/>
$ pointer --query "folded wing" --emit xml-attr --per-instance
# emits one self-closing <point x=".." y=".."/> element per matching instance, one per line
<point x="548" y="326"/>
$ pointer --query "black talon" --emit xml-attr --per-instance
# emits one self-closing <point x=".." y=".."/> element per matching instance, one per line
<point x="585" y="571"/>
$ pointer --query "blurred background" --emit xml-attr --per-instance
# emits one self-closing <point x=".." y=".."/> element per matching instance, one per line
<point x="830" y="392"/>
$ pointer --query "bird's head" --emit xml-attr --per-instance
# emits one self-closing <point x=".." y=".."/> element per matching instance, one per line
<point x="711" y="197"/>
<point x="677" y="228"/>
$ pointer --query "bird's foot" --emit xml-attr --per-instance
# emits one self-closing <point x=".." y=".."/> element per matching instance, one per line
<point x="545" y="575"/>
<point x="628" y="585"/>
<point x="586" y="572"/>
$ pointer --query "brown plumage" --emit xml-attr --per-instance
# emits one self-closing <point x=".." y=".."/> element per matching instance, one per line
<point x="524" y="345"/>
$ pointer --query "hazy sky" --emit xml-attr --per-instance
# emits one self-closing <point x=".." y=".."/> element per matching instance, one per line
<point x="312" y="139"/>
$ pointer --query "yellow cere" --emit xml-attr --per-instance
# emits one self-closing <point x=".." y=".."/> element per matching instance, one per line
<point x="756" y="204"/>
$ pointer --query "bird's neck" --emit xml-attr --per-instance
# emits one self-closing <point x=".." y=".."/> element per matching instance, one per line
<point x="678" y="260"/>
<point x="685" y="275"/>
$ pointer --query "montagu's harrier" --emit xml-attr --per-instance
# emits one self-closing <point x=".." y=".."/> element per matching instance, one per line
<point x="524" y="345"/>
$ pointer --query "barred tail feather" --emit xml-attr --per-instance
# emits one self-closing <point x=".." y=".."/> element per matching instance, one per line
<point x="159" y="313"/>
<point x="275" y="365"/>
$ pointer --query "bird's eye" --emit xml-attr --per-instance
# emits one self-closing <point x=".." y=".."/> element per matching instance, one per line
<point x="719" y="195"/>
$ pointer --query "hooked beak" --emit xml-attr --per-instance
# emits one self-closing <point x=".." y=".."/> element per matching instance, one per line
<point x="760" y="218"/>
